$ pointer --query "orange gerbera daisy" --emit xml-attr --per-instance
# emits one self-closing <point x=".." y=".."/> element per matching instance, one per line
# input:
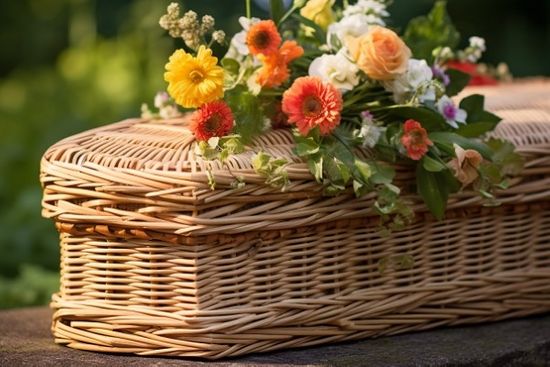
<point x="310" y="103"/>
<point x="263" y="38"/>
<point x="415" y="139"/>
<point x="212" y="119"/>
<point x="274" y="70"/>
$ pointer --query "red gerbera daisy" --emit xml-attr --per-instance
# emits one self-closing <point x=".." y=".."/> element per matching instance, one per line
<point x="212" y="119"/>
<point x="310" y="103"/>
<point x="263" y="38"/>
<point x="415" y="139"/>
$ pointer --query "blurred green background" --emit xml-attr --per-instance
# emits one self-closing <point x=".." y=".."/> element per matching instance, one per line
<point x="70" y="65"/>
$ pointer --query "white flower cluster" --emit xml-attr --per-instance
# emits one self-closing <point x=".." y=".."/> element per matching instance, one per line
<point x="476" y="49"/>
<point x="167" y="109"/>
<point x="375" y="10"/>
<point x="370" y="132"/>
<point x="353" y="26"/>
<point x="416" y="82"/>
<point x="356" y="21"/>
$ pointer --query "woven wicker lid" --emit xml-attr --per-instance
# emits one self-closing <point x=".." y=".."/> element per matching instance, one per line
<point x="159" y="145"/>
<point x="146" y="173"/>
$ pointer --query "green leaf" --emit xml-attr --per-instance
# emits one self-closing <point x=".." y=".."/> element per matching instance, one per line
<point x="272" y="169"/>
<point x="306" y="146"/>
<point x="381" y="173"/>
<point x="231" y="65"/>
<point x="360" y="188"/>
<point x="364" y="169"/>
<point x="490" y="172"/>
<point x="332" y="189"/>
<point x="432" y="165"/>
<point x="506" y="156"/>
<point x="475" y="129"/>
<point x="430" y="189"/>
<point x="449" y="181"/>
<point x="458" y="81"/>
<point x="248" y="113"/>
<point x="448" y="138"/>
<point x="260" y="161"/>
<point x="232" y="144"/>
<point x="428" y="118"/>
<point x="276" y="10"/>
<point x="425" y="33"/>
<point x="315" y="165"/>
<point x="473" y="104"/>
<point x="337" y="171"/>
<point x="319" y="34"/>
<point x="207" y="152"/>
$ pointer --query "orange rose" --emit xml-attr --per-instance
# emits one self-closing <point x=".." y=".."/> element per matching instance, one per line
<point x="380" y="53"/>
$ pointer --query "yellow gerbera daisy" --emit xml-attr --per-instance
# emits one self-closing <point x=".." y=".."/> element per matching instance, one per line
<point x="193" y="81"/>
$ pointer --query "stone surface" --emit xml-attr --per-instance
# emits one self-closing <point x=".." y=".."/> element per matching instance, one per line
<point x="25" y="340"/>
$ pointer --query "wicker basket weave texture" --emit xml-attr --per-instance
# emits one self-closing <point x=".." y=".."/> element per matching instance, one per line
<point x="155" y="262"/>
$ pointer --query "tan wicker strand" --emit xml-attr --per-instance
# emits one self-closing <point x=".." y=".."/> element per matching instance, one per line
<point x="154" y="262"/>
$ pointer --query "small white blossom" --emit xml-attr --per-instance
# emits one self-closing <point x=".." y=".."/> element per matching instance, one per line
<point x="369" y="132"/>
<point x="370" y="135"/>
<point x="166" y="107"/>
<point x="218" y="36"/>
<point x="477" y="42"/>
<point x="376" y="9"/>
<point x="161" y="99"/>
<point x="373" y="19"/>
<point x="417" y="80"/>
<point x="353" y="26"/>
<point x="443" y="54"/>
<point x="450" y="112"/>
<point x="474" y="51"/>
<point x="335" y="69"/>
<point x="207" y="24"/>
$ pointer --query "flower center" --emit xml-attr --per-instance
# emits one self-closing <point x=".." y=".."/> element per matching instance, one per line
<point x="449" y="111"/>
<point x="417" y="138"/>
<point x="312" y="106"/>
<point x="261" y="40"/>
<point x="196" y="76"/>
<point x="213" y="123"/>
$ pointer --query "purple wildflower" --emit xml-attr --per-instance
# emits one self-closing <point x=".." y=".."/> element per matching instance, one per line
<point x="439" y="73"/>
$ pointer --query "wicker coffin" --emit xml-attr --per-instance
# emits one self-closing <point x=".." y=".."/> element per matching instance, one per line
<point x="155" y="262"/>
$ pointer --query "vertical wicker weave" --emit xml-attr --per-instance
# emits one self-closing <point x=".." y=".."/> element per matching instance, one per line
<point x="153" y="262"/>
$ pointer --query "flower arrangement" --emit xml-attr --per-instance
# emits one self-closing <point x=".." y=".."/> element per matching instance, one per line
<point x="343" y="82"/>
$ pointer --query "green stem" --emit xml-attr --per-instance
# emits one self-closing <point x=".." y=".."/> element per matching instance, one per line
<point x="271" y="93"/>
<point x="248" y="9"/>
<point x="288" y="14"/>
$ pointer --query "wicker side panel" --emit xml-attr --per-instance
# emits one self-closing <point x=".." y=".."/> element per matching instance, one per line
<point x="314" y="285"/>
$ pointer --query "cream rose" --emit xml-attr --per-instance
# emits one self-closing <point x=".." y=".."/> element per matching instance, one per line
<point x="380" y="53"/>
<point x="335" y="69"/>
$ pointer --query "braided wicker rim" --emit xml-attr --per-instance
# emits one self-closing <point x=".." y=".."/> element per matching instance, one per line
<point x="155" y="262"/>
